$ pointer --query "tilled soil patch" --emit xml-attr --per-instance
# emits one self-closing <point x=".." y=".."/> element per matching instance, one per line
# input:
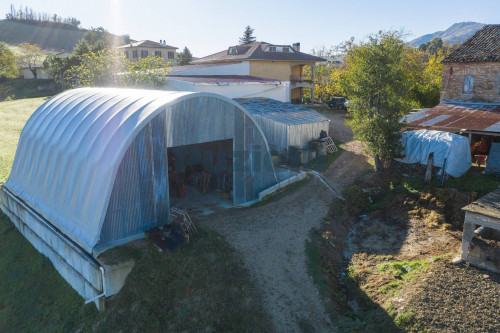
<point x="458" y="299"/>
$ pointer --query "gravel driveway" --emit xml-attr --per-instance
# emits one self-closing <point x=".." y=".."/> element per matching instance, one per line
<point x="271" y="239"/>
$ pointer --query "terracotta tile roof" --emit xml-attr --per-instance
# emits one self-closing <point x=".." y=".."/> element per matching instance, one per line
<point x="146" y="43"/>
<point x="473" y="117"/>
<point x="218" y="79"/>
<point x="255" y="51"/>
<point x="484" y="45"/>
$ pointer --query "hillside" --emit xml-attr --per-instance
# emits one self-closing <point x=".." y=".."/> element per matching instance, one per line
<point x="457" y="33"/>
<point x="47" y="38"/>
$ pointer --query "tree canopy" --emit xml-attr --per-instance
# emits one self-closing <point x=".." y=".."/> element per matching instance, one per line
<point x="31" y="54"/>
<point x="248" y="36"/>
<point x="376" y="84"/>
<point x="185" y="57"/>
<point x="110" y="68"/>
<point x="8" y="67"/>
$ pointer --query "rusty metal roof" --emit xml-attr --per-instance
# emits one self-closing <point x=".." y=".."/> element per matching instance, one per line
<point x="463" y="116"/>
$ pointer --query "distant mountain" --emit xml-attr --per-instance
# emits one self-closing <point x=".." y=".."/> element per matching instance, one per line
<point x="457" y="33"/>
<point x="48" y="38"/>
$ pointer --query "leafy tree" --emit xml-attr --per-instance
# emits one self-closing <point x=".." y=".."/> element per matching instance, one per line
<point x="82" y="47"/>
<point x="146" y="72"/>
<point x="185" y="57"/>
<point x="97" y="69"/>
<point x="8" y="67"/>
<point x="58" y="67"/>
<point x="110" y="68"/>
<point x="248" y="36"/>
<point x="423" y="74"/>
<point x="376" y="85"/>
<point x="30" y="56"/>
<point x="432" y="46"/>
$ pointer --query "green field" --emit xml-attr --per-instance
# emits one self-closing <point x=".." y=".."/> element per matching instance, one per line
<point x="13" y="116"/>
<point x="200" y="287"/>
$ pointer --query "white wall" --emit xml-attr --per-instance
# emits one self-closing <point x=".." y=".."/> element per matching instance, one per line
<point x="280" y="92"/>
<point x="40" y="74"/>
<point x="241" y="68"/>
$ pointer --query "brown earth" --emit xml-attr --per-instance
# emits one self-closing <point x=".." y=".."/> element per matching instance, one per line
<point x="271" y="239"/>
<point x="422" y="229"/>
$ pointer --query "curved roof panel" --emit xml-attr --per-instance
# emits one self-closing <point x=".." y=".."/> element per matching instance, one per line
<point x="71" y="147"/>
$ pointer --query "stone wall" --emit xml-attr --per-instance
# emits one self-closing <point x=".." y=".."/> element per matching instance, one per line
<point x="486" y="86"/>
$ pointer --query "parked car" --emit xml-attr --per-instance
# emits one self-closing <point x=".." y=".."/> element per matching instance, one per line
<point x="338" y="103"/>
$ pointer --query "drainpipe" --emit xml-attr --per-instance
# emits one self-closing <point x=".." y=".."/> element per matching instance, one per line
<point x="103" y="288"/>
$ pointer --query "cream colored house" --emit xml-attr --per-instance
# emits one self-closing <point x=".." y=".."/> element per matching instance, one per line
<point x="279" y="62"/>
<point x="147" y="48"/>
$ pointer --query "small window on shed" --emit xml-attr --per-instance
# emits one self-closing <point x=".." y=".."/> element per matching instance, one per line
<point x="233" y="50"/>
<point x="468" y="84"/>
<point x="144" y="53"/>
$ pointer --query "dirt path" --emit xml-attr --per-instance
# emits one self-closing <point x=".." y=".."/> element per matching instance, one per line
<point x="271" y="240"/>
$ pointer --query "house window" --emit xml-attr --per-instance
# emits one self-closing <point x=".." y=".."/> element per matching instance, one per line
<point x="144" y="53"/>
<point x="171" y="55"/>
<point x="272" y="49"/>
<point x="468" y="84"/>
<point x="158" y="54"/>
<point x="134" y="54"/>
<point x="286" y="49"/>
<point x="233" y="50"/>
<point x="126" y="54"/>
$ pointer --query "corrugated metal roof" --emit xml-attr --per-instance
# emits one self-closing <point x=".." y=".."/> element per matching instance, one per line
<point x="70" y="149"/>
<point x="218" y="79"/>
<point x="286" y="113"/>
<point x="476" y="117"/>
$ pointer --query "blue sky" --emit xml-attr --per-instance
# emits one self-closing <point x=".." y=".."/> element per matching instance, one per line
<point x="206" y="27"/>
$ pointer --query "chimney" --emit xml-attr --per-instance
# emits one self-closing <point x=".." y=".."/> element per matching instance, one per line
<point x="161" y="42"/>
<point x="296" y="46"/>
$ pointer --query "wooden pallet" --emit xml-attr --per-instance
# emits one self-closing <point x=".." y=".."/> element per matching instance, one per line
<point x="330" y="145"/>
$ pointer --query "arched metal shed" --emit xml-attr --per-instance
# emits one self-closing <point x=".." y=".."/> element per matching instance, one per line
<point x="91" y="165"/>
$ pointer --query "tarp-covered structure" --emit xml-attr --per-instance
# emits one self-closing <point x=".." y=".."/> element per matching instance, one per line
<point x="93" y="162"/>
<point x="446" y="146"/>
<point x="284" y="124"/>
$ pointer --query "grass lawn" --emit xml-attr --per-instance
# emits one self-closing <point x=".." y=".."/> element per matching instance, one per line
<point x="13" y="116"/>
<point x="201" y="287"/>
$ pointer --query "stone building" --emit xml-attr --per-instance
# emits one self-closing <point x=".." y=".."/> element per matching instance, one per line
<point x="470" y="94"/>
<point x="471" y="73"/>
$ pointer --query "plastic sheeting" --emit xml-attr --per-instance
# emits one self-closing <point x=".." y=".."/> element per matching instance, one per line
<point x="454" y="148"/>
<point x="71" y="148"/>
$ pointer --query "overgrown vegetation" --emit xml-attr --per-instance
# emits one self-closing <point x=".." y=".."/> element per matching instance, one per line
<point x="371" y="291"/>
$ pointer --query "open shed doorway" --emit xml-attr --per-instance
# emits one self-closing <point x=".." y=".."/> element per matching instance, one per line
<point x="200" y="177"/>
